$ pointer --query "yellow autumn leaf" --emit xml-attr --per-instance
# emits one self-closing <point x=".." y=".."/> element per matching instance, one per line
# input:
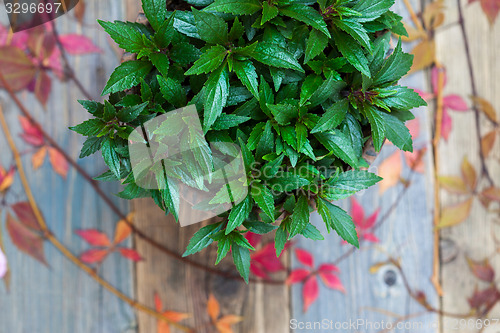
<point x="455" y="214"/>
<point x="469" y="174"/>
<point x="485" y="107"/>
<point x="487" y="143"/>
<point x="424" y="55"/>
<point x="453" y="184"/>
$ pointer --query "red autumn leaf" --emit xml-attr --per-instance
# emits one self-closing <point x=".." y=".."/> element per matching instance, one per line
<point x="31" y="133"/>
<point x="390" y="170"/>
<point x="264" y="260"/>
<point x="93" y="256"/>
<point x="213" y="307"/>
<point x="310" y="292"/>
<point x="253" y="238"/>
<point x="78" y="44"/>
<point x="94" y="237"/>
<point x="484" y="298"/>
<point x="41" y="43"/>
<point x="492" y="194"/>
<point x="490" y="7"/>
<point x="363" y="225"/>
<point x="328" y="268"/>
<point x="455" y="102"/>
<point x="130" y="254"/>
<point x="482" y="270"/>
<point x="414" y="127"/>
<point x="42" y="86"/>
<point x="79" y="11"/>
<point x="446" y="125"/>
<point x="332" y="281"/>
<point x="26" y="239"/>
<point x="39" y="157"/>
<point x="6" y="178"/>
<point x="25" y="214"/>
<point x="59" y="163"/>
<point x="304" y="257"/>
<point x="162" y="326"/>
<point x="15" y="66"/>
<point x="297" y="275"/>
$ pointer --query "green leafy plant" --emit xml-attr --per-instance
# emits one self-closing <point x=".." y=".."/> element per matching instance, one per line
<point x="299" y="85"/>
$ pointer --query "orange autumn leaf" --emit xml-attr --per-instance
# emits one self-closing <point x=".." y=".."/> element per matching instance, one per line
<point x="123" y="230"/>
<point x="453" y="184"/>
<point x="469" y="174"/>
<point x="433" y="15"/>
<point x="225" y="323"/>
<point x="487" y="143"/>
<point x="423" y="55"/>
<point x="6" y="179"/>
<point x="59" y="163"/>
<point x="163" y="326"/>
<point x="485" y="107"/>
<point x="390" y="170"/>
<point x="415" y="160"/>
<point x="38" y="157"/>
<point x="453" y="215"/>
<point x="213" y="307"/>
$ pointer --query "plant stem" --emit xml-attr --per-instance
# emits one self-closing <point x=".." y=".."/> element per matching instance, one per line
<point x="48" y="234"/>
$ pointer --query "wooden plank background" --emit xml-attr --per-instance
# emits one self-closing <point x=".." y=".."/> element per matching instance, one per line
<point x="63" y="299"/>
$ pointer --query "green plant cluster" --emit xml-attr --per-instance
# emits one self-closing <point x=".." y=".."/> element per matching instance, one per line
<point x="300" y="85"/>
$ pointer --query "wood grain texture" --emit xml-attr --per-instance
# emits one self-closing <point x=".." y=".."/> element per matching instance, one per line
<point x="61" y="298"/>
<point x="184" y="288"/>
<point x="473" y="238"/>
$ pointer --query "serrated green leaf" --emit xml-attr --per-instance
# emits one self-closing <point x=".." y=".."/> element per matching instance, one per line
<point x="127" y="35"/>
<point x="370" y="10"/>
<point x="208" y="61"/>
<point x="300" y="216"/>
<point x="127" y="114"/>
<point x="316" y="43"/>
<point x="91" y="146"/>
<point x="280" y="238"/>
<point x="330" y="88"/>
<point x="127" y="75"/>
<point x="184" y="53"/>
<point x="161" y="62"/>
<point x="403" y="98"/>
<point x="333" y="116"/>
<point x="241" y="258"/>
<point x="172" y="91"/>
<point x="217" y="91"/>
<point x="395" y="67"/>
<point x="397" y="132"/>
<point x="201" y="239"/>
<point x="336" y="218"/>
<point x="309" y="87"/>
<point x="269" y="12"/>
<point x="155" y="11"/>
<point x="352" y="51"/>
<point x="308" y="15"/>
<point x="163" y="37"/>
<point x="245" y="71"/>
<point x="273" y="55"/>
<point x="284" y="113"/>
<point x="211" y="28"/>
<point x="355" y="30"/>
<point x="263" y="197"/>
<point x="226" y="121"/>
<point x="340" y="145"/>
<point x="110" y="156"/>
<point x="377" y="125"/>
<point x="311" y="232"/>
<point x="89" y="127"/>
<point x="236" y="7"/>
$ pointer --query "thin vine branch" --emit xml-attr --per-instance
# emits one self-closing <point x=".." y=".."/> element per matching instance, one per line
<point x="49" y="235"/>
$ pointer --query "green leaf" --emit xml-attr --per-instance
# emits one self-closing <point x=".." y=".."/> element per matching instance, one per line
<point x="184" y="53"/>
<point x="127" y="35"/>
<point x="241" y="258"/>
<point x="403" y="98"/>
<point x="161" y="62"/>
<point x="333" y="116"/>
<point x="336" y="218"/>
<point x="94" y="108"/>
<point x="226" y="121"/>
<point x="377" y="125"/>
<point x="163" y="37"/>
<point x="236" y="7"/>
<point x="397" y="132"/>
<point x="300" y="216"/>
<point x="273" y="55"/>
<point x="284" y="113"/>
<point x="89" y="127"/>
<point x="263" y="197"/>
<point x="132" y="191"/>
<point x="127" y="75"/>
<point x="201" y="239"/>
<point x="395" y="67"/>
<point x="266" y="142"/>
<point x="348" y="183"/>
<point x="211" y="28"/>
<point x="155" y="11"/>
<point x="269" y="12"/>
<point x="316" y="43"/>
<point x="245" y="71"/>
<point x="311" y="232"/>
<point x="308" y="15"/>
<point x="356" y="30"/>
<point x="309" y="87"/>
<point x="330" y="88"/>
<point x="352" y="51"/>
<point x="237" y="30"/>
<point x="172" y="91"/>
<point x="280" y="238"/>
<point x="370" y="10"/>
<point x="110" y="156"/>
<point x="260" y="228"/>
<point x="340" y="145"/>
<point x="208" y="61"/>
<point x="130" y="113"/>
<point x="223" y="247"/>
<point x="91" y="146"/>
<point x="217" y="90"/>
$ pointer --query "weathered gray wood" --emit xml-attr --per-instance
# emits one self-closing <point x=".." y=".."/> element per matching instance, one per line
<point x="405" y="234"/>
<point x="472" y="238"/>
<point x="62" y="298"/>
